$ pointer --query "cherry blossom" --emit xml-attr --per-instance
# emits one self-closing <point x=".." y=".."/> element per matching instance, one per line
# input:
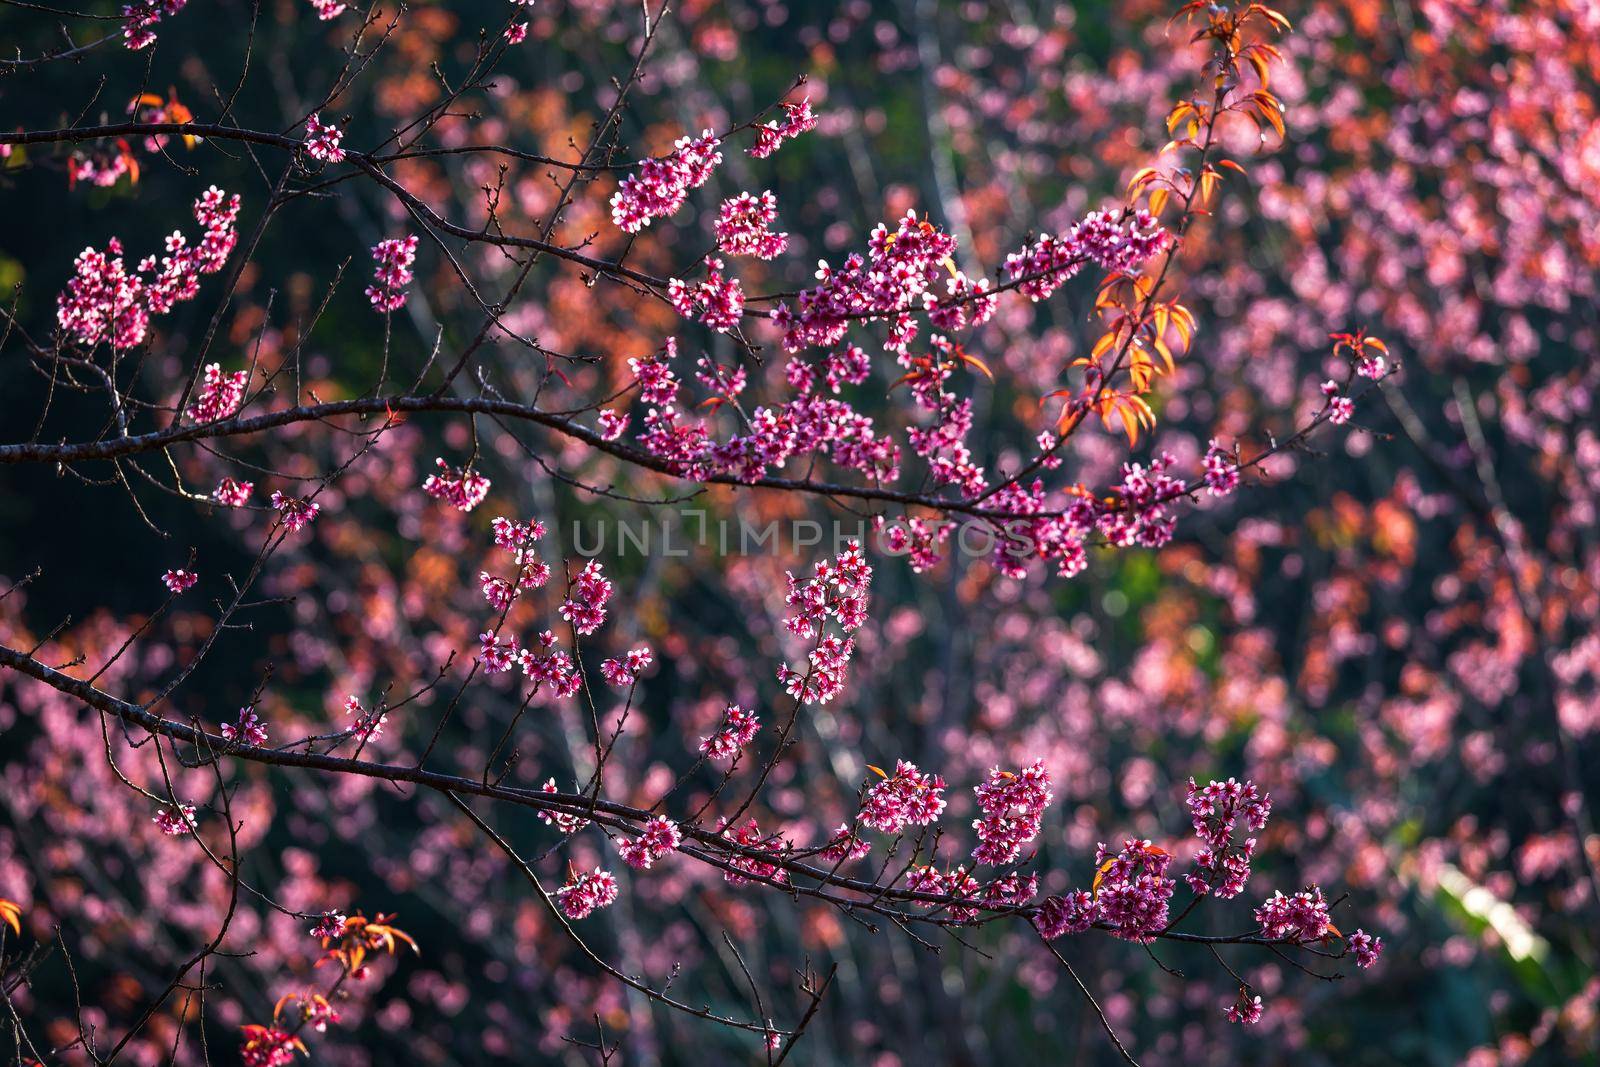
<point x="1301" y="917"/>
<point x="659" y="187"/>
<point x="715" y="300"/>
<point x="322" y="142"/>
<point x="659" y="837"/>
<point x="587" y="892"/>
<point x="906" y="798"/>
<point x="585" y="605"/>
<point x="297" y="513"/>
<point x="249" y="730"/>
<point x="625" y="670"/>
<point x="179" y="580"/>
<point x="391" y="272"/>
<point x="462" y="489"/>
<point x="175" y="822"/>
<point x="232" y="494"/>
<point x="143" y="16"/>
<point x="738" y="728"/>
<point x="106" y="302"/>
<point x="219" y="395"/>
<point x="744" y="226"/>
<point x="797" y="119"/>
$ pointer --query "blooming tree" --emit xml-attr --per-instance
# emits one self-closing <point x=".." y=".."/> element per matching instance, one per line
<point x="354" y="491"/>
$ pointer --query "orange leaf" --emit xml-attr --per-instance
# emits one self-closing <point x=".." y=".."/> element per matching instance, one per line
<point x="974" y="361"/>
<point x="1100" y="876"/>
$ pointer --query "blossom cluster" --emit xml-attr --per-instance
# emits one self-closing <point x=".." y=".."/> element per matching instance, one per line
<point x="1366" y="948"/>
<point x="462" y="489"/>
<point x="322" y="142"/>
<point x="231" y="493"/>
<point x="585" y="605"/>
<point x="836" y="590"/>
<point x="1221" y="469"/>
<point x="716" y="300"/>
<point x="365" y="727"/>
<point x="1246" y="1010"/>
<point x="806" y="424"/>
<point x="517" y="538"/>
<point x="330" y="925"/>
<point x="908" y="797"/>
<point x="297" y="513"/>
<point x="100" y="167"/>
<point x="105" y="301"/>
<point x="175" y="822"/>
<point x="1012" y="805"/>
<point x="900" y="266"/>
<point x="220" y="394"/>
<point x="548" y="665"/>
<point x="391" y="272"/>
<point x="1340" y="408"/>
<point x="659" y="837"/>
<point x="749" y="838"/>
<point x="1070" y="914"/>
<point x="1223" y="866"/>
<point x="1134" y="889"/>
<point x="1297" y="918"/>
<point x="1142" y="516"/>
<point x="141" y="17"/>
<point x="658" y="190"/>
<point x="957" y="883"/>
<point x="624" y="670"/>
<point x="737" y="729"/>
<point x="744" y="226"/>
<point x="178" y="580"/>
<point x="613" y="423"/>
<point x="1117" y="242"/>
<point x="566" y="822"/>
<point x="542" y="661"/>
<point x="248" y="730"/>
<point x="845" y="844"/>
<point x="797" y="119"/>
<point x="1131" y="895"/>
<point x="586" y="892"/>
<point x="268" y="1046"/>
